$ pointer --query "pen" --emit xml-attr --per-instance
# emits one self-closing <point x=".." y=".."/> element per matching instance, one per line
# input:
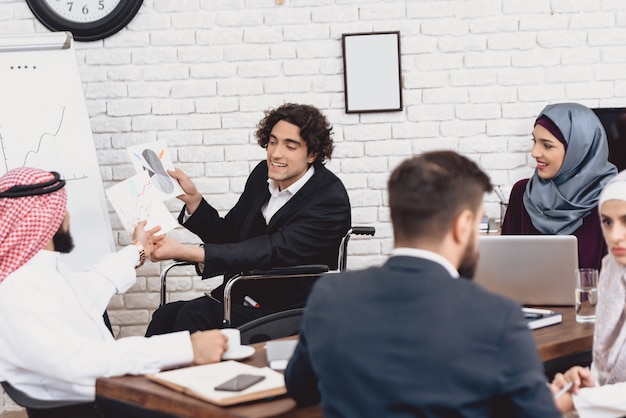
<point x="248" y="301"/>
<point x="537" y="311"/>
<point x="563" y="390"/>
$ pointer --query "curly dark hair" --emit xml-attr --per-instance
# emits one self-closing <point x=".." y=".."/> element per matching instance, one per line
<point x="315" y="129"/>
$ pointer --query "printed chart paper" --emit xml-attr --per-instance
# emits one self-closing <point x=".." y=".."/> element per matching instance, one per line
<point x="136" y="199"/>
<point x="154" y="159"/>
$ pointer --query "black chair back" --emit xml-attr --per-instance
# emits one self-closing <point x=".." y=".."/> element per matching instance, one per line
<point x="276" y="325"/>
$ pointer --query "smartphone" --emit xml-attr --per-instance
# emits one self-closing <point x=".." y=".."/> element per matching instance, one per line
<point x="239" y="382"/>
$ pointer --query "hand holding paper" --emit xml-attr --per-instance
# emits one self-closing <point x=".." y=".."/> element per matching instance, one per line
<point x="191" y="196"/>
<point x="154" y="159"/>
<point x="134" y="200"/>
<point x="146" y="238"/>
<point x="141" y="196"/>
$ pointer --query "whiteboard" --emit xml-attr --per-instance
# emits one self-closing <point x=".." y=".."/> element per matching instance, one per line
<point x="44" y="123"/>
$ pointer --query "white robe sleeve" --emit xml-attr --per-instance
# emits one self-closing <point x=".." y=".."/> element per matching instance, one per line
<point x="54" y="341"/>
<point x="608" y="401"/>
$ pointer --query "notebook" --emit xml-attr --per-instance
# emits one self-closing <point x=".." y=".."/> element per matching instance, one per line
<point x="539" y="318"/>
<point x="201" y="382"/>
<point x="530" y="269"/>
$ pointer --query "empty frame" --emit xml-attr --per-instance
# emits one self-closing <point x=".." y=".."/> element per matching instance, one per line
<point x="372" y="74"/>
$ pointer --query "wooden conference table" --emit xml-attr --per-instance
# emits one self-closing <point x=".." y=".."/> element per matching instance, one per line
<point x="553" y="342"/>
<point x="565" y="339"/>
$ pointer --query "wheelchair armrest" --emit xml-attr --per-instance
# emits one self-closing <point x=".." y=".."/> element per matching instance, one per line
<point x="163" y="276"/>
<point x="312" y="270"/>
<point x="287" y="271"/>
<point x="342" y="256"/>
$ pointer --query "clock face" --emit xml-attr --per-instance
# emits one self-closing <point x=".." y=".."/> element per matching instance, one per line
<point x="88" y="20"/>
<point x="83" y="10"/>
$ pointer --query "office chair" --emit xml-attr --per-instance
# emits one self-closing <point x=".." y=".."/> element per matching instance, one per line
<point x="270" y="327"/>
<point x="39" y="408"/>
<point x="302" y="271"/>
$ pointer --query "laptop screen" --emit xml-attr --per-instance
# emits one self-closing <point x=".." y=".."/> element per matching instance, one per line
<point x="530" y="269"/>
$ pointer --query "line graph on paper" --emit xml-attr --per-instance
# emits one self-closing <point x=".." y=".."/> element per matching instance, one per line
<point x="136" y="199"/>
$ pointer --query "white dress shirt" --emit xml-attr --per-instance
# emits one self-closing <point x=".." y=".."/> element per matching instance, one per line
<point x="53" y="338"/>
<point x="278" y="198"/>
<point x="428" y="255"/>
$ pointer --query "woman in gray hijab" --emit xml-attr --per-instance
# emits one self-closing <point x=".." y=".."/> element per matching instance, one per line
<point x="561" y="198"/>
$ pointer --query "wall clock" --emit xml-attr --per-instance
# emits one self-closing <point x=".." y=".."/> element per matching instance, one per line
<point x="88" y="20"/>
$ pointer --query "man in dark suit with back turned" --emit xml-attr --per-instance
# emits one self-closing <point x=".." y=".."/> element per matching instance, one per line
<point x="416" y="337"/>
<point x="292" y="211"/>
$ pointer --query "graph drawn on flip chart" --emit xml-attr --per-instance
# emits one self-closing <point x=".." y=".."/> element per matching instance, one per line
<point x="46" y="143"/>
<point x="44" y="123"/>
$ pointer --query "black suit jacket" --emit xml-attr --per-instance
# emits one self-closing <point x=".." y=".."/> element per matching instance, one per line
<point x="409" y="340"/>
<point x="306" y="230"/>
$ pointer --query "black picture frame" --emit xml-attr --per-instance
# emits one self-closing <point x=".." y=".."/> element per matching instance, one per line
<point x="372" y="72"/>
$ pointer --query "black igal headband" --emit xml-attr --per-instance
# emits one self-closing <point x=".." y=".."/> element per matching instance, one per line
<point x="35" y="189"/>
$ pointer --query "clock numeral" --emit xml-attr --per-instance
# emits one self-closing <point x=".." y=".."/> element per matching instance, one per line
<point x="88" y="20"/>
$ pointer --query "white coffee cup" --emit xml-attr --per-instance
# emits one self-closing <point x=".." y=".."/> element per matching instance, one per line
<point x="279" y="353"/>
<point x="234" y="340"/>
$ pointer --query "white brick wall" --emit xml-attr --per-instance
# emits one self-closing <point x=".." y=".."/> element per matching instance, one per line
<point x="200" y="73"/>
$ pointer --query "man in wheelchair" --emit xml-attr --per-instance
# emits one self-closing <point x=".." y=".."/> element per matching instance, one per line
<point x="293" y="211"/>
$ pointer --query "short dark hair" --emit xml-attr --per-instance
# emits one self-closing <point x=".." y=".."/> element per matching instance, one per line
<point x="428" y="191"/>
<point x="315" y="129"/>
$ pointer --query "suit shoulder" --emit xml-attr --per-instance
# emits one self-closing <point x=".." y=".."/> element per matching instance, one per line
<point x="258" y="174"/>
<point x="329" y="181"/>
<point x="335" y="282"/>
<point x="484" y="297"/>
<point x="260" y="169"/>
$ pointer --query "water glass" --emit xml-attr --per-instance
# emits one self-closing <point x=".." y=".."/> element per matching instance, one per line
<point x="586" y="295"/>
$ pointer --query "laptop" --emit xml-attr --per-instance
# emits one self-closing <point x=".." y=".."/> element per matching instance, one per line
<point x="530" y="269"/>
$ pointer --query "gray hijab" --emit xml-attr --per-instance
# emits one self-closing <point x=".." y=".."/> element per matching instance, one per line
<point x="558" y="206"/>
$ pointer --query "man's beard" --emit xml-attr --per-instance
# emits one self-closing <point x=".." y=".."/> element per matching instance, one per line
<point x="63" y="241"/>
<point x="467" y="267"/>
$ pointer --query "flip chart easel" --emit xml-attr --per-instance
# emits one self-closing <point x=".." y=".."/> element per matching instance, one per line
<point x="44" y="123"/>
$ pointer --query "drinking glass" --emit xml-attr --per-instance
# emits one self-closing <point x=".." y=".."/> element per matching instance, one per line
<point x="586" y="295"/>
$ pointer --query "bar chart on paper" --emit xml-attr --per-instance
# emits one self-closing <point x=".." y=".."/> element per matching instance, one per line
<point x="44" y="124"/>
